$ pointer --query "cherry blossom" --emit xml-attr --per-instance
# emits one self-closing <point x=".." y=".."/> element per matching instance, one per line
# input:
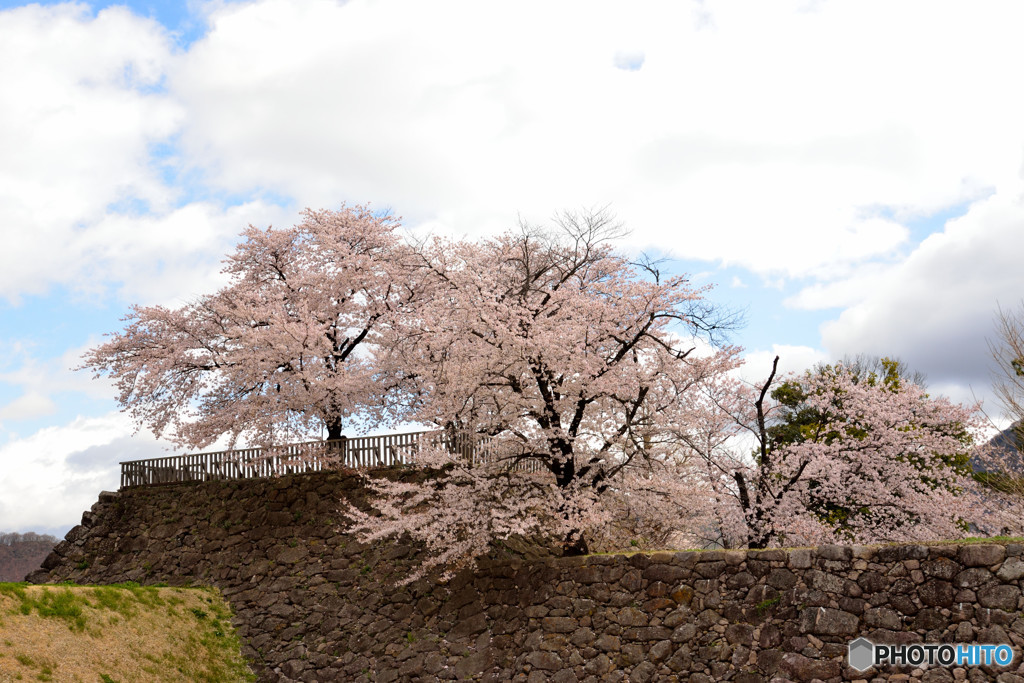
<point x="885" y="462"/>
<point x="280" y="353"/>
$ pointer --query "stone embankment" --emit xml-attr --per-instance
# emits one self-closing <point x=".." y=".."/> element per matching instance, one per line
<point x="312" y="604"/>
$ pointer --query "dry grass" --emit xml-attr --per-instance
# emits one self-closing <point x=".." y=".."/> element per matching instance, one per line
<point x="117" y="634"/>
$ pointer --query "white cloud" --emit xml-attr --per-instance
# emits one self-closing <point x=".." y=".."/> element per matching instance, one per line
<point x="629" y="60"/>
<point x="53" y="475"/>
<point x="83" y="197"/>
<point x="27" y="406"/>
<point x="764" y="136"/>
<point x="846" y="290"/>
<point x="39" y="380"/>
<point x="79" y="109"/>
<point x="935" y="309"/>
<point x="170" y="257"/>
<point x="796" y="359"/>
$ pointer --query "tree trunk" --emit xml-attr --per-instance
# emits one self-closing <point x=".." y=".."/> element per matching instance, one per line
<point x="574" y="544"/>
<point x="760" y="539"/>
<point x="334" y="429"/>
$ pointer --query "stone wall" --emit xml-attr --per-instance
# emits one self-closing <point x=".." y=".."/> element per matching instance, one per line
<point x="312" y="604"/>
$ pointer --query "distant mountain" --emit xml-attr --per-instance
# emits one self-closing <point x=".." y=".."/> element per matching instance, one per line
<point x="22" y="553"/>
<point x="1007" y="447"/>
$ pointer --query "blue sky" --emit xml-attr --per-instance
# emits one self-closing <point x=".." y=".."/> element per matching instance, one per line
<point x="850" y="200"/>
<point x="182" y="20"/>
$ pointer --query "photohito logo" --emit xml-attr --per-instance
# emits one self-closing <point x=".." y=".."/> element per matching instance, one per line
<point x="862" y="654"/>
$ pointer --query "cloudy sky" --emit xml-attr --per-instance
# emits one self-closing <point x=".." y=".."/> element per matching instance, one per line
<point x="849" y="172"/>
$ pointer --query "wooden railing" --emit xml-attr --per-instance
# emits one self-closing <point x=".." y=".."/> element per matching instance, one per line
<point x="362" y="452"/>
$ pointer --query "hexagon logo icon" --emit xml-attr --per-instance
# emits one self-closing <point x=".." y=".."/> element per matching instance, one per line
<point x="861" y="654"/>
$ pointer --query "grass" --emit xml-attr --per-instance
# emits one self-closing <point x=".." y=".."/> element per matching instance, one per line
<point x="68" y="605"/>
<point x="973" y="540"/>
<point x="119" y="633"/>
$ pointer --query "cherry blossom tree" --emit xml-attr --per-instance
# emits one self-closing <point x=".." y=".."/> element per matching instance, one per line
<point x="596" y="389"/>
<point x="283" y="351"/>
<point x="569" y="359"/>
<point x="842" y="457"/>
<point x="462" y="510"/>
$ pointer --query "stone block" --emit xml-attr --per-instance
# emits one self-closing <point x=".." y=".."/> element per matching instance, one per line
<point x="828" y="621"/>
<point x="981" y="555"/>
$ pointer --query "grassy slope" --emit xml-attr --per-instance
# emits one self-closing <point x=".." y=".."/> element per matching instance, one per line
<point x="107" y="634"/>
